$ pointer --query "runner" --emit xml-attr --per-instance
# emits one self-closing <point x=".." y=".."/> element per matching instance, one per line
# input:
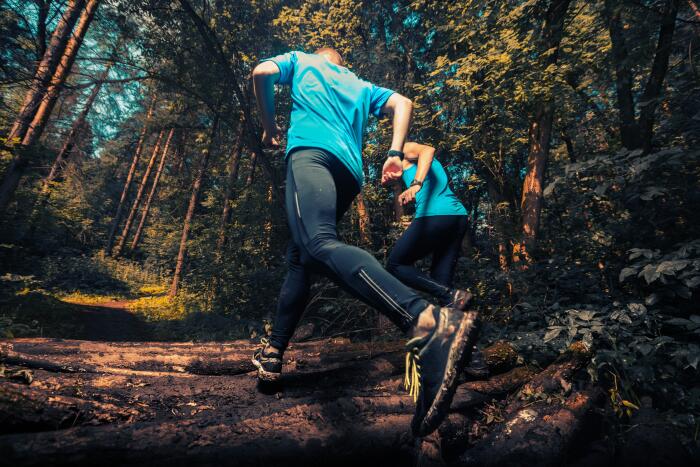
<point x="438" y="228"/>
<point x="330" y="108"/>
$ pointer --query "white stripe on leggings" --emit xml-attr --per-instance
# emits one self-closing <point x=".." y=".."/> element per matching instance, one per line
<point x="363" y="274"/>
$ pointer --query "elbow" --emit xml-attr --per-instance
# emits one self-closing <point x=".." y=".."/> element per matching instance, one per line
<point x="264" y="69"/>
<point x="405" y="104"/>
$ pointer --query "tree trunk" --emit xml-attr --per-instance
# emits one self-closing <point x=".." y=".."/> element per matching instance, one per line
<point x="253" y="166"/>
<point x="653" y="88"/>
<point x="499" y="222"/>
<point x="228" y="194"/>
<point x="398" y="207"/>
<point x="638" y="133"/>
<point x="75" y="129"/>
<point x="363" y="220"/>
<point x="135" y="206"/>
<point x="629" y="132"/>
<point x="46" y="69"/>
<point x="43" y="7"/>
<point x="540" y="132"/>
<point x="63" y="69"/>
<point x="154" y="187"/>
<point x="191" y="208"/>
<point x="129" y="178"/>
<point x="14" y="172"/>
<point x="531" y="202"/>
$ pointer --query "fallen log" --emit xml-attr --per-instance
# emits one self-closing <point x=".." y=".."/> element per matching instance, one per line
<point x="537" y="434"/>
<point x="24" y="409"/>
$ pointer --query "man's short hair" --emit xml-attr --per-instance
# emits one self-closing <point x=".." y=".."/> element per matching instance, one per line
<point x="331" y="54"/>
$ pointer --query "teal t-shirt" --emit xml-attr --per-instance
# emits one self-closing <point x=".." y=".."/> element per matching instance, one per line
<point x="330" y="106"/>
<point x="435" y="198"/>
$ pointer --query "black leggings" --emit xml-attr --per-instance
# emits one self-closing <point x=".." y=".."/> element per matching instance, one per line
<point x="440" y="235"/>
<point x="319" y="191"/>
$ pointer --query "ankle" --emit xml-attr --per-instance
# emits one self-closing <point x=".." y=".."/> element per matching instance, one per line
<point x="270" y="351"/>
<point x="426" y="321"/>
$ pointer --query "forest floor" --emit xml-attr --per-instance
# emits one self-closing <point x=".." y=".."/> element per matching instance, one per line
<point x="117" y="398"/>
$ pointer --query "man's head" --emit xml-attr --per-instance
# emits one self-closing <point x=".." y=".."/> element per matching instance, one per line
<point x="331" y="54"/>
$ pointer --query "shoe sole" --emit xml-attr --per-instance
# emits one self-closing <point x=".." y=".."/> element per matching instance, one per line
<point x="459" y="355"/>
<point x="264" y="375"/>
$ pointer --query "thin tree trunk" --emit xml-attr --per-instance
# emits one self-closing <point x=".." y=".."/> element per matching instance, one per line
<point x="652" y="90"/>
<point x="499" y="222"/>
<point x="228" y="194"/>
<point x="398" y="207"/>
<point x="63" y="69"/>
<point x="363" y="219"/>
<point x="539" y="134"/>
<point x="569" y="146"/>
<point x="253" y="166"/>
<point x="75" y="129"/>
<point x="43" y="7"/>
<point x="135" y="206"/>
<point x="638" y="133"/>
<point x="154" y="187"/>
<point x="13" y="173"/>
<point x="129" y="178"/>
<point x="46" y="69"/>
<point x="196" y="186"/>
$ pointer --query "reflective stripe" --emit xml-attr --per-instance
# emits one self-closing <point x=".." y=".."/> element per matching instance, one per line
<point x="392" y="303"/>
<point x="296" y="200"/>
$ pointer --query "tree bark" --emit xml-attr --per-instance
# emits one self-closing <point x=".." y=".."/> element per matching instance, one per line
<point x="659" y="68"/>
<point x="363" y="220"/>
<point x="398" y="207"/>
<point x="46" y="69"/>
<point x="154" y="187"/>
<point x="75" y="129"/>
<point x="253" y="166"/>
<point x="13" y="173"/>
<point x="230" y="184"/>
<point x="63" y="69"/>
<point x="196" y="186"/>
<point x="629" y="132"/>
<point x="43" y="7"/>
<point x="129" y="178"/>
<point x="540" y="132"/>
<point x="135" y="206"/>
<point x="638" y="133"/>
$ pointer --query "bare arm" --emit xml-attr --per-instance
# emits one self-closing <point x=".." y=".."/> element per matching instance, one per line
<point x="423" y="155"/>
<point x="265" y="75"/>
<point x="400" y="108"/>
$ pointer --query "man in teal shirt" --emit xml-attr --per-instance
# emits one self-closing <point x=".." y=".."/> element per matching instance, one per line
<point x="330" y="108"/>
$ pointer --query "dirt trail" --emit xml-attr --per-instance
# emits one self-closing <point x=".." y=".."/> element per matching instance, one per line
<point x="340" y="403"/>
<point x="111" y="321"/>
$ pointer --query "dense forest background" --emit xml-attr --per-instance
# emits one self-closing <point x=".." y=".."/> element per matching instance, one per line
<point x="132" y="169"/>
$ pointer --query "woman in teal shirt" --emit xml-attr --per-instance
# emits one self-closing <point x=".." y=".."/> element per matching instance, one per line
<point x="438" y="228"/>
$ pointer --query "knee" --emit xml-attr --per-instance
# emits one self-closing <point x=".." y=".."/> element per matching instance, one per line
<point x="392" y="266"/>
<point x="317" y="249"/>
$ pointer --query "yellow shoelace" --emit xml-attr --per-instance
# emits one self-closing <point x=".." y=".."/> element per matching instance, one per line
<point x="411" y="380"/>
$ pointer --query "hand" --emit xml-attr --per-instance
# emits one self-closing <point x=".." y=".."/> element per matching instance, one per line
<point x="271" y="138"/>
<point x="409" y="195"/>
<point x="392" y="170"/>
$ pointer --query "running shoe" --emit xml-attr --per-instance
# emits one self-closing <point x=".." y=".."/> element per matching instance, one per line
<point x="269" y="364"/>
<point x="433" y="363"/>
